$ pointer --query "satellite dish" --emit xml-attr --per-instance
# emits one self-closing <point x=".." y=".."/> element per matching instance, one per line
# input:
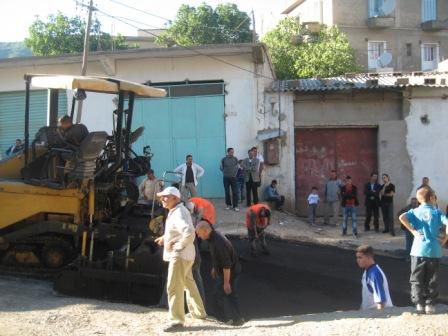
<point x="384" y="60"/>
<point x="388" y="7"/>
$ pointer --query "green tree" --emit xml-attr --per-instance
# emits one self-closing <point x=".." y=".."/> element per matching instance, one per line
<point x="60" y="34"/>
<point x="297" y="53"/>
<point x="205" y="25"/>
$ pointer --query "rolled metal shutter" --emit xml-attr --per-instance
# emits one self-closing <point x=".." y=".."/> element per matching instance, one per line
<point x="12" y="115"/>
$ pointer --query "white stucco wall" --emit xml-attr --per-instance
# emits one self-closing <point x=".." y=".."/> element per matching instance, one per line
<point x="427" y="143"/>
<point x="284" y="173"/>
<point x="245" y="91"/>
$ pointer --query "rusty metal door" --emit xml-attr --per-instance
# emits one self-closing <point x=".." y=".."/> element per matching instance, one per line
<point x="351" y="151"/>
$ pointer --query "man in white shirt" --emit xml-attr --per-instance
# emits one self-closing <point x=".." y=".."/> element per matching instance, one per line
<point x="179" y="252"/>
<point x="191" y="172"/>
<point x="375" y="288"/>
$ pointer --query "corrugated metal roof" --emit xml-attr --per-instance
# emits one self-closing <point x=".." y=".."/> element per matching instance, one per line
<point x="364" y="81"/>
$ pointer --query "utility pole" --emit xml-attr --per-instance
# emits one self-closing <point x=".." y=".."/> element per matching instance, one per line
<point x="85" y="55"/>
<point x="254" y="34"/>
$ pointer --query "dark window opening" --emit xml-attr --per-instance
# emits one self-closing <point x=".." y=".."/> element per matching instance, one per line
<point x="408" y="49"/>
<point x="193" y="88"/>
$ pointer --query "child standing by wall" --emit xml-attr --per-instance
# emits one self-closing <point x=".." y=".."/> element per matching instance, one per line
<point x="313" y="201"/>
<point x="424" y="223"/>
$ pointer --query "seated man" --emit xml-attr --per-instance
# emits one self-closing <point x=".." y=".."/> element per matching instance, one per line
<point x="201" y="209"/>
<point x="272" y="195"/>
<point x="17" y="147"/>
<point x="149" y="187"/>
<point x="258" y="218"/>
<point x="73" y="134"/>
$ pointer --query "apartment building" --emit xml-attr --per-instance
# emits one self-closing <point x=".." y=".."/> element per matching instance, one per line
<point x="387" y="35"/>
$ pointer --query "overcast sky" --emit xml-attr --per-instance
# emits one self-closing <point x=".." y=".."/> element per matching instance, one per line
<point x="17" y="15"/>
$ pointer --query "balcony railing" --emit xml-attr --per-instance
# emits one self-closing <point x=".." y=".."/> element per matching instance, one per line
<point x="434" y="25"/>
<point x="380" y="22"/>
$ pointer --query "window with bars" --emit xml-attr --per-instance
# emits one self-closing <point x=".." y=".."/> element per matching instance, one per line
<point x="430" y="56"/>
<point x="374" y="50"/>
<point x="429" y="52"/>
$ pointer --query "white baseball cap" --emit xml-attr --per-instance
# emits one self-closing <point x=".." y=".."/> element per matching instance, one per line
<point x="169" y="191"/>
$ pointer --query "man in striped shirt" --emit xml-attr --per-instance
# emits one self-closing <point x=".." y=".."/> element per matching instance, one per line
<point x="375" y="289"/>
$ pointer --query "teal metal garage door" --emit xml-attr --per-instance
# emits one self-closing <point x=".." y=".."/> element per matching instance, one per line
<point x="175" y="127"/>
<point x="12" y="115"/>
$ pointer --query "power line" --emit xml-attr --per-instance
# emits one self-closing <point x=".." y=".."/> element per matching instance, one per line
<point x="170" y="21"/>
<point x="141" y="10"/>
<point x="139" y="22"/>
<point x="185" y="47"/>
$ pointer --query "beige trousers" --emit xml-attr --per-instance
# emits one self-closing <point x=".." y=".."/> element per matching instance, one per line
<point x="180" y="279"/>
<point x="188" y="191"/>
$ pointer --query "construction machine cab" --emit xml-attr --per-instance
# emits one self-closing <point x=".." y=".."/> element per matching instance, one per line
<point x="65" y="164"/>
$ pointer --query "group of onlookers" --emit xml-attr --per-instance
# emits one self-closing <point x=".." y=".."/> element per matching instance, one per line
<point x="239" y="175"/>
<point x="338" y="194"/>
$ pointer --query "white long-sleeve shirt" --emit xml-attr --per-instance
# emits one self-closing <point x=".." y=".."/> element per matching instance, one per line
<point x="179" y="234"/>
<point x="198" y="171"/>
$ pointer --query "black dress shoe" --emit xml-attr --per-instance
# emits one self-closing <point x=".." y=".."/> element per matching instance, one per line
<point x="385" y="231"/>
<point x="366" y="229"/>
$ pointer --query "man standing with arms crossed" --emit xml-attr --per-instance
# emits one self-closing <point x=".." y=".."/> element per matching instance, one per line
<point x="179" y="252"/>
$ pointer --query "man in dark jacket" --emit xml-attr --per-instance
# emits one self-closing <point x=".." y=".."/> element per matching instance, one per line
<point x="229" y="168"/>
<point x="226" y="269"/>
<point x="17" y="147"/>
<point x="372" y="194"/>
<point x="74" y="134"/>
<point x="349" y="202"/>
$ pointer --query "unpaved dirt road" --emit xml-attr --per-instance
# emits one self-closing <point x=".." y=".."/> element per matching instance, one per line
<point x="29" y="307"/>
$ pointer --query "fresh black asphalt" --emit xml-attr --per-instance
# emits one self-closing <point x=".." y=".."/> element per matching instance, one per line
<point x="301" y="278"/>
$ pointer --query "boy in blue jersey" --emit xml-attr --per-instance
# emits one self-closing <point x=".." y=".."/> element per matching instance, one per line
<point x="424" y="223"/>
<point x="375" y="288"/>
